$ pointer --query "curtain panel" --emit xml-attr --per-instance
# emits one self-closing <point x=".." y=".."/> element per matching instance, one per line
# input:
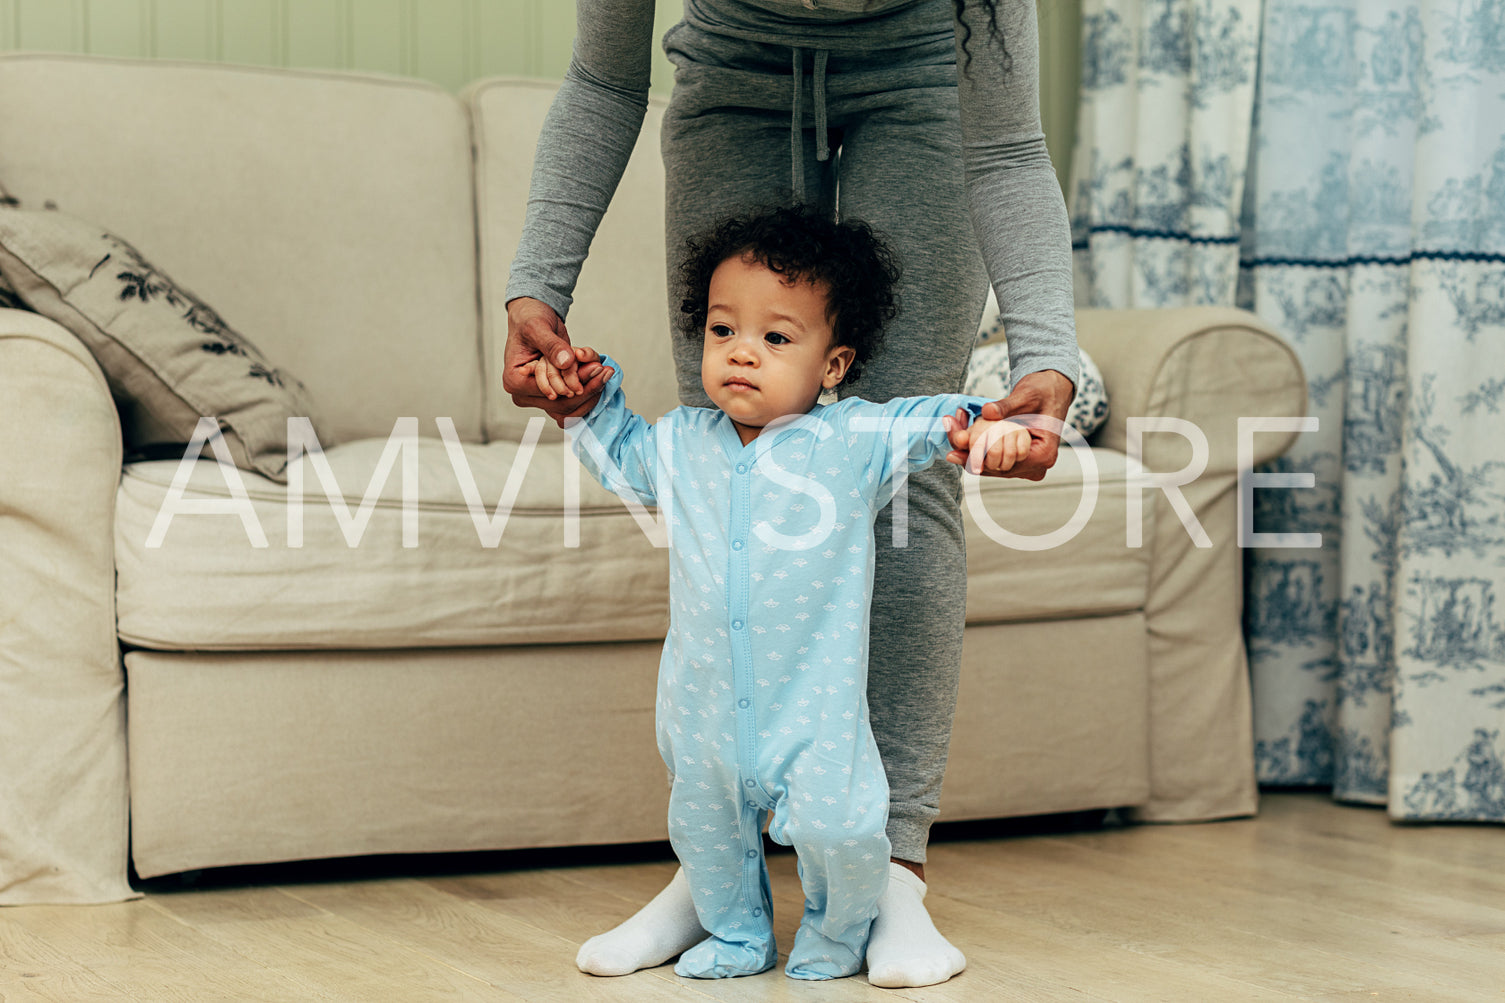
<point x="1339" y="169"/>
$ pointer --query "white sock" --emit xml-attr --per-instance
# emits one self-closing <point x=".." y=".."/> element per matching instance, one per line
<point x="905" y="948"/>
<point x="655" y="933"/>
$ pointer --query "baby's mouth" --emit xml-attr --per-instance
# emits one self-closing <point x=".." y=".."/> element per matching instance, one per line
<point x="738" y="383"/>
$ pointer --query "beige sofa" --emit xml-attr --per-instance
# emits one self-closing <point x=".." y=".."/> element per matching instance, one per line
<point x="282" y="703"/>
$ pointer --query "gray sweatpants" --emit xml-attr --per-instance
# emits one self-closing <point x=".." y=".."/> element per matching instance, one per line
<point x="891" y="156"/>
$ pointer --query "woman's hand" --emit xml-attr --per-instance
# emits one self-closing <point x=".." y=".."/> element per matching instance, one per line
<point x="534" y="331"/>
<point x="1046" y="392"/>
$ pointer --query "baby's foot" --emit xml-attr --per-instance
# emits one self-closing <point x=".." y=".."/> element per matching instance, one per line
<point x="654" y="934"/>
<point x="815" y="956"/>
<point x="905" y="948"/>
<point x="714" y="958"/>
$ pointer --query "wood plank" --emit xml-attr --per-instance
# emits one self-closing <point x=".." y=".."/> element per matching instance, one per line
<point x="1448" y="878"/>
<point x="1267" y="930"/>
<point x="561" y="903"/>
<point x="337" y="957"/>
<point x="1400" y="994"/>
<point x="1157" y="919"/>
<point x="136" y="946"/>
<point x="534" y="964"/>
<point x="1019" y="955"/>
<point x="1310" y="900"/>
<point x="34" y="968"/>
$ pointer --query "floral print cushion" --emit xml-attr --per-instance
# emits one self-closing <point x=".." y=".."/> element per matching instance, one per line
<point x="168" y="357"/>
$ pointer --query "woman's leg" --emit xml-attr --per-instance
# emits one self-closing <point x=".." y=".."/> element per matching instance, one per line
<point x="901" y="171"/>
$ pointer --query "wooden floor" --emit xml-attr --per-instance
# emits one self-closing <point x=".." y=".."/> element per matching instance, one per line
<point x="1310" y="900"/>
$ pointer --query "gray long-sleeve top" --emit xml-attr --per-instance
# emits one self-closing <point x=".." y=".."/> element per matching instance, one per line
<point x="1016" y="206"/>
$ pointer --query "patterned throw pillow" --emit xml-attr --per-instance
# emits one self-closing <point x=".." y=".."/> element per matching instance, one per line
<point x="988" y="375"/>
<point x="168" y="357"/>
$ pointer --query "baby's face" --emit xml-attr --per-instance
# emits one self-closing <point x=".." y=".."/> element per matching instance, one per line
<point x="768" y="348"/>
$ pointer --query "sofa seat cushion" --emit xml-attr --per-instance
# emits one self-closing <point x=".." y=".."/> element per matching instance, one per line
<point x="203" y="584"/>
<point x="1051" y="550"/>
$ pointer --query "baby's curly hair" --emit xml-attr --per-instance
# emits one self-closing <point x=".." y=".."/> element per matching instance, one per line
<point x="853" y="263"/>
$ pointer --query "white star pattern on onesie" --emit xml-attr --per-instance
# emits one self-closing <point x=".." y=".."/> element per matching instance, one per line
<point x="762" y="689"/>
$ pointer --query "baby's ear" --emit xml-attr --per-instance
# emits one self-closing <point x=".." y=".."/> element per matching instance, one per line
<point x="838" y="362"/>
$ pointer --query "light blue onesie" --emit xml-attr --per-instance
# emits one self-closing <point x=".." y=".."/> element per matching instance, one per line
<point x="762" y="688"/>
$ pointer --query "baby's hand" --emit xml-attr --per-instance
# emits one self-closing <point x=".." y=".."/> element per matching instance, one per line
<point x="987" y="447"/>
<point x="551" y="381"/>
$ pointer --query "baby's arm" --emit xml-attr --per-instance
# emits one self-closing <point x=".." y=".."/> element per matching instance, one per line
<point x="986" y="446"/>
<point x="618" y="447"/>
<point x="894" y="439"/>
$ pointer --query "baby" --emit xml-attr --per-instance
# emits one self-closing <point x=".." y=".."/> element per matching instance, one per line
<point x="769" y="498"/>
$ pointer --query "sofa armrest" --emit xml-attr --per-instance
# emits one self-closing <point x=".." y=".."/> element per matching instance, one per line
<point x="1207" y="365"/>
<point x="63" y="796"/>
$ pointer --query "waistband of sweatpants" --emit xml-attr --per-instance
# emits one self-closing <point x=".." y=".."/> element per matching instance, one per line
<point x="858" y="36"/>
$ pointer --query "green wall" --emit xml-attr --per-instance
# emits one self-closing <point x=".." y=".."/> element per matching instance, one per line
<point x="447" y="41"/>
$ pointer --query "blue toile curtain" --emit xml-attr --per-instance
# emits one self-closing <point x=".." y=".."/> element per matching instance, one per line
<point x="1339" y="169"/>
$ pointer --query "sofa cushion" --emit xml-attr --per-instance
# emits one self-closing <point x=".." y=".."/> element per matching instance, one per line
<point x="329" y="215"/>
<point x="207" y="587"/>
<point x="169" y="357"/>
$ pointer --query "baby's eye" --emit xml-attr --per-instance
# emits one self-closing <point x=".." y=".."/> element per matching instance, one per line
<point x="775" y="338"/>
<point x="721" y="330"/>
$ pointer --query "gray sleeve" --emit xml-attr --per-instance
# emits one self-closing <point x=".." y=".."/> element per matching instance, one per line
<point x="587" y="138"/>
<point x="1016" y="203"/>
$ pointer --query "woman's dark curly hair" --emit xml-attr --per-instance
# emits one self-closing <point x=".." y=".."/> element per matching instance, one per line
<point x="991" y="6"/>
<point x="853" y="263"/>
